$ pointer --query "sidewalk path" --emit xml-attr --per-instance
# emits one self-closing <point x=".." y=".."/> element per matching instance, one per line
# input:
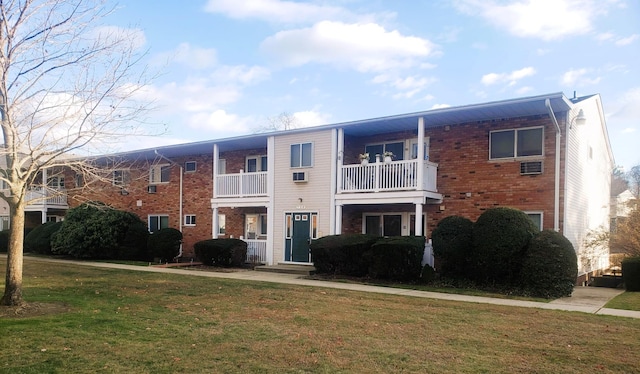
<point x="584" y="299"/>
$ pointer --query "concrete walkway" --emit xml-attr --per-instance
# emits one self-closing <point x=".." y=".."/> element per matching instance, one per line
<point x="584" y="299"/>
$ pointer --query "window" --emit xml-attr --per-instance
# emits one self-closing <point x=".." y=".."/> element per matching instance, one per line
<point x="301" y="155"/>
<point x="160" y="174"/>
<point x="56" y="182"/>
<point x="222" y="224"/>
<point x="4" y="223"/>
<point x="256" y="163"/>
<point x="222" y="166"/>
<point x="157" y="222"/>
<point x="79" y="180"/>
<point x="516" y="143"/>
<point x="255" y="225"/>
<point x="190" y="220"/>
<point x="190" y="166"/>
<point x="383" y="224"/>
<point x="396" y="148"/>
<point x="536" y="217"/>
<point x="120" y="177"/>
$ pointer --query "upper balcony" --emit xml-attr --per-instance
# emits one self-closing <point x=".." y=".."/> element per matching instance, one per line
<point x="388" y="177"/>
<point x="45" y="197"/>
<point x="240" y="185"/>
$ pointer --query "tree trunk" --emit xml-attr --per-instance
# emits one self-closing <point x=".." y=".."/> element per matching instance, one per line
<point x="13" y="282"/>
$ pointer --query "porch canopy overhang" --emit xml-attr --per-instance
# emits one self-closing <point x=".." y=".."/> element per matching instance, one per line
<point x="522" y="107"/>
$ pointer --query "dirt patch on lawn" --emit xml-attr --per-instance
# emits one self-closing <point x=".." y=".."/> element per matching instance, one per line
<point x="28" y="310"/>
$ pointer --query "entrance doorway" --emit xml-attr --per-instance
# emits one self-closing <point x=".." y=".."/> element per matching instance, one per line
<point x="300" y="228"/>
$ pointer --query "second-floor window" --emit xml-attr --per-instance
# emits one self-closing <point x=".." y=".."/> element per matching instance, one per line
<point x="301" y="155"/>
<point x="159" y="174"/>
<point x="55" y="182"/>
<point x="516" y="143"/>
<point x="396" y="148"/>
<point x="256" y="163"/>
<point x="120" y="177"/>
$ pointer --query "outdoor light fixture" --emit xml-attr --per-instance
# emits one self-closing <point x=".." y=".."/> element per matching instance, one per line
<point x="579" y="120"/>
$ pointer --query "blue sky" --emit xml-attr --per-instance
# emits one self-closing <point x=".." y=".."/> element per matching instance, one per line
<point x="228" y="66"/>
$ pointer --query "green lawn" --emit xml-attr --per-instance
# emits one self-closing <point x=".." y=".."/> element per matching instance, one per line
<point x="121" y="321"/>
<point x="626" y="301"/>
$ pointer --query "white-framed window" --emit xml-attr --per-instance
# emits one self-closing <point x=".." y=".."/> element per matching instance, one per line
<point x="537" y="218"/>
<point x="157" y="222"/>
<point x="396" y="147"/>
<point x="378" y="224"/>
<point x="301" y="155"/>
<point x="79" y="180"/>
<point x="256" y="163"/>
<point x="4" y="223"/>
<point x="222" y="224"/>
<point x="120" y="177"/>
<point x="190" y="167"/>
<point x="414" y="148"/>
<point x="255" y="226"/>
<point x="160" y="174"/>
<point x="56" y="182"/>
<point x="222" y="166"/>
<point x="514" y="143"/>
<point x="190" y="220"/>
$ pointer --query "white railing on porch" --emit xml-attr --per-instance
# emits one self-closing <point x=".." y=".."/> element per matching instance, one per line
<point x="392" y="176"/>
<point x="39" y="195"/>
<point x="256" y="250"/>
<point x="241" y="184"/>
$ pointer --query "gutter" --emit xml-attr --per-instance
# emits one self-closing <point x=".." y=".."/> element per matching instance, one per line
<point x="556" y="197"/>
<point x="181" y="177"/>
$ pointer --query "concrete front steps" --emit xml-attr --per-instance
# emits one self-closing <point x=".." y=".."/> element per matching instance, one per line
<point x="287" y="269"/>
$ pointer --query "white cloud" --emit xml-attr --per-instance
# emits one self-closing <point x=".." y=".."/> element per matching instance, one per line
<point x="628" y="40"/>
<point x="627" y="107"/>
<point x="275" y="10"/>
<point x="440" y="106"/>
<point x="110" y="34"/>
<point x="310" y="118"/>
<point x="189" y="56"/>
<point x="366" y="47"/>
<point x="578" y="77"/>
<point x="241" y="74"/>
<point x="628" y="130"/>
<point x="544" y="19"/>
<point x="219" y="121"/>
<point x="510" y="79"/>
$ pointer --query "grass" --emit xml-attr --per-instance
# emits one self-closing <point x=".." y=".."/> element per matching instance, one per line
<point x="626" y="301"/>
<point x="118" y="321"/>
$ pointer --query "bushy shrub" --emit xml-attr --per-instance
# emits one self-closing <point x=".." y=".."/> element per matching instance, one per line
<point x="164" y="244"/>
<point x="631" y="274"/>
<point x="95" y="231"/>
<point x="221" y="252"/>
<point x="4" y="241"/>
<point x="452" y="243"/>
<point x="550" y="266"/>
<point x="428" y="274"/>
<point x="500" y="239"/>
<point x="39" y="239"/>
<point x="341" y="254"/>
<point x="396" y="258"/>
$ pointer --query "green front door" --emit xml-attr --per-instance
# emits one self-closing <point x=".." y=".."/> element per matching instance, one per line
<point x="297" y="237"/>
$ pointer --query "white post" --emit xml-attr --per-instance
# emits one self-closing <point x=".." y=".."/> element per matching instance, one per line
<point x="338" y="227"/>
<point x="45" y="194"/>
<point x="271" y="217"/>
<point x="215" y="223"/>
<point x="420" y="160"/>
<point x="377" y="174"/>
<point x="336" y="175"/>
<point x="216" y="162"/>
<point x="418" y="220"/>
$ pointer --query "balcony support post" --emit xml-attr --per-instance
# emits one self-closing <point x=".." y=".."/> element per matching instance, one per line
<point x="420" y="166"/>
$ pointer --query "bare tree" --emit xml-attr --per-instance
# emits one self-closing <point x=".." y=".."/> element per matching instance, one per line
<point x="634" y="180"/>
<point x="68" y="88"/>
<point x="283" y="121"/>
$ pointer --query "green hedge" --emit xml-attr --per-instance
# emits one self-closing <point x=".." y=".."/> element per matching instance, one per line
<point x="396" y="258"/>
<point x="342" y="254"/>
<point x="221" y="252"/>
<point x="631" y="274"/>
<point x="452" y="243"/>
<point x="164" y="244"/>
<point x="550" y="266"/>
<point x="39" y="239"/>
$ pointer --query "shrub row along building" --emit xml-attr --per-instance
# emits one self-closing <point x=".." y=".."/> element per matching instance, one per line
<point x="547" y="155"/>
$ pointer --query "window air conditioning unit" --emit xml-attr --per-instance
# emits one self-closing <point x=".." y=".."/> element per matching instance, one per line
<point x="151" y="189"/>
<point x="530" y="167"/>
<point x="300" y="177"/>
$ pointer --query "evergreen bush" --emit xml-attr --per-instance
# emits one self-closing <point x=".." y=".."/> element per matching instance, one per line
<point x="631" y="274"/>
<point x="452" y="243"/>
<point x="164" y="244"/>
<point x="500" y="239"/>
<point x="39" y="239"/>
<point x="342" y="254"/>
<point x="396" y="258"/>
<point x="550" y="266"/>
<point x="221" y="252"/>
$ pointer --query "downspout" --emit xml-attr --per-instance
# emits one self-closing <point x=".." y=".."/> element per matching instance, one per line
<point x="556" y="197"/>
<point x="180" y="208"/>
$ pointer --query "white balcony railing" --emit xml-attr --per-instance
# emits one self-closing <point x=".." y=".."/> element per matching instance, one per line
<point x="39" y="196"/>
<point x="256" y="250"/>
<point x="241" y="184"/>
<point x="393" y="176"/>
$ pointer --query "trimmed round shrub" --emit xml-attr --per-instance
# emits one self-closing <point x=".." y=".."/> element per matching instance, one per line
<point x="452" y="243"/>
<point x="631" y="274"/>
<point x="221" y="252"/>
<point x="95" y="231"/>
<point x="500" y="239"/>
<point x="550" y="266"/>
<point x="39" y="239"/>
<point x="164" y="244"/>
<point x="342" y="254"/>
<point x="396" y="258"/>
